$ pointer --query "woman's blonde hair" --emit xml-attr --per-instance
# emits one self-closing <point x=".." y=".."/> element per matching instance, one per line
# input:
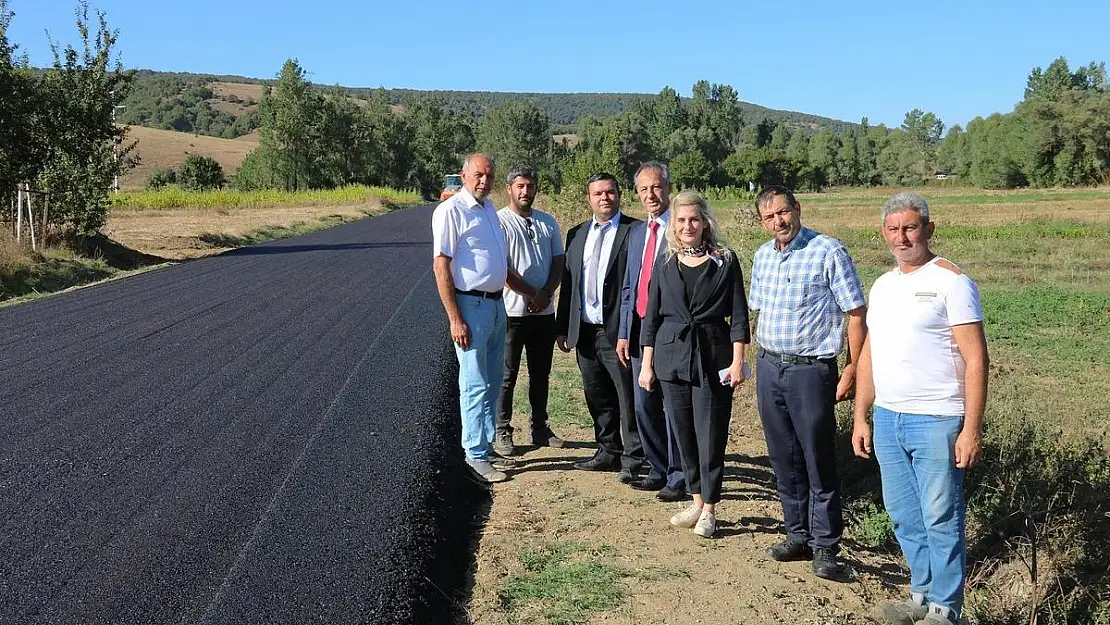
<point x="711" y="234"/>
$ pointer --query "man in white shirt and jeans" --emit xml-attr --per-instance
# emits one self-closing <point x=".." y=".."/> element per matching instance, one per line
<point x="924" y="366"/>
<point x="471" y="268"/>
<point x="536" y="258"/>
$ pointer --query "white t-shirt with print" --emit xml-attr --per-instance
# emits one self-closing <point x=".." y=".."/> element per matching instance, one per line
<point x="916" y="364"/>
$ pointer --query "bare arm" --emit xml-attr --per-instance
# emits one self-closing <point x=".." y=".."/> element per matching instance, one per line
<point x="647" y="368"/>
<point x="516" y="283"/>
<point x="972" y="344"/>
<point x="857" y="332"/>
<point x="445" y="284"/>
<point x="556" y="274"/>
<point x="541" y="297"/>
<point x="865" y="397"/>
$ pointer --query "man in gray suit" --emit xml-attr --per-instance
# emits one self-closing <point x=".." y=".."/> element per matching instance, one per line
<point x="647" y="250"/>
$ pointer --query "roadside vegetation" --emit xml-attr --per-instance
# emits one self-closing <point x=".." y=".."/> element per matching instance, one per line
<point x="176" y="197"/>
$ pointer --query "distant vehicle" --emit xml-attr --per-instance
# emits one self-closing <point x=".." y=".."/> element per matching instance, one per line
<point x="452" y="184"/>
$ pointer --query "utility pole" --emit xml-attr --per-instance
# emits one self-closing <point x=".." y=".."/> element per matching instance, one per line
<point x="115" y="149"/>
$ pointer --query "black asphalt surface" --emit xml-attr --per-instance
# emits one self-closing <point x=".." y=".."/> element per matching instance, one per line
<point x="267" y="436"/>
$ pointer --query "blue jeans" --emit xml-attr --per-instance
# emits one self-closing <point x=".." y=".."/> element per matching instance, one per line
<point x="924" y="495"/>
<point x="481" y="366"/>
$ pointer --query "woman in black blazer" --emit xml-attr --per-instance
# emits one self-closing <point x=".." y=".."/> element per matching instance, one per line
<point x="695" y="337"/>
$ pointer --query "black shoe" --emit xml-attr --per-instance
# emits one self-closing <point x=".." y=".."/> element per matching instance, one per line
<point x="626" y="476"/>
<point x="790" y="551"/>
<point x="826" y="565"/>
<point x="544" y="437"/>
<point x="599" y="463"/>
<point x="649" y="483"/>
<point x="672" y="494"/>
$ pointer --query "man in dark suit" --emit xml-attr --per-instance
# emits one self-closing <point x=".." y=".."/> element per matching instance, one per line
<point x="587" y="320"/>
<point x="647" y="247"/>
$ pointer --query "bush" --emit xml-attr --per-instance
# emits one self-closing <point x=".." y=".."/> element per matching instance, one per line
<point x="1038" y="532"/>
<point x="162" y="178"/>
<point x="200" y="173"/>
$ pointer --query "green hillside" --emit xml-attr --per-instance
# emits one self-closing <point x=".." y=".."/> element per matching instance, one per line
<point x="225" y="106"/>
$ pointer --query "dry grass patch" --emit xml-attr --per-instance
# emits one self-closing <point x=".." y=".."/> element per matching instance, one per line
<point x="165" y="149"/>
<point x="186" y="233"/>
<point x="241" y="90"/>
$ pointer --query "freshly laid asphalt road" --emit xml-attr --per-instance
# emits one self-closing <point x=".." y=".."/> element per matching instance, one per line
<point x="266" y="436"/>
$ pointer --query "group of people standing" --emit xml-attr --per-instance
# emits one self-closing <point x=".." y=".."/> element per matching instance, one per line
<point x="657" y="314"/>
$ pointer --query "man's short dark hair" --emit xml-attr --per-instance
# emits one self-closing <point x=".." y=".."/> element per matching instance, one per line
<point x="522" y="171"/>
<point x="601" y="177"/>
<point x="767" y="195"/>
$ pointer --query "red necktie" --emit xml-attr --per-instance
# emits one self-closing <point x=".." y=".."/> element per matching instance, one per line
<point x="645" y="271"/>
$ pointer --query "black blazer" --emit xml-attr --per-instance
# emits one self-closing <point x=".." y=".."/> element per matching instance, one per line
<point x="568" y="315"/>
<point x="695" y="336"/>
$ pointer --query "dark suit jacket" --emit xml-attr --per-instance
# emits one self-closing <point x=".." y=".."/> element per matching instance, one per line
<point x="568" y="315"/>
<point x="695" y="336"/>
<point x="630" y="322"/>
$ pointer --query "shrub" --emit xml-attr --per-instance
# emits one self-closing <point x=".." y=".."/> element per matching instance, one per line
<point x="162" y="178"/>
<point x="200" y="173"/>
<point x="1038" y="531"/>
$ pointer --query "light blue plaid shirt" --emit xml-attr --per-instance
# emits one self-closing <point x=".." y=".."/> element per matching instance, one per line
<point x="802" y="293"/>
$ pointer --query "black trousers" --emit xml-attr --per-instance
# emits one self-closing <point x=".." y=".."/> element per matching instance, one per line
<point x="700" y="415"/>
<point x="534" y="335"/>
<point x="796" y="406"/>
<point x="608" y="389"/>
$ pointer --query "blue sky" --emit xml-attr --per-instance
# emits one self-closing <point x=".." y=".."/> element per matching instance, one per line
<point x="839" y="59"/>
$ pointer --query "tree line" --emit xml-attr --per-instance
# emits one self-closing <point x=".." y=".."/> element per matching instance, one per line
<point x="1059" y="135"/>
<point x="56" y="126"/>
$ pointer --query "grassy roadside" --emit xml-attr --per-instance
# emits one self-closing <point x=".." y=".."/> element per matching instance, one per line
<point x="175" y="197"/>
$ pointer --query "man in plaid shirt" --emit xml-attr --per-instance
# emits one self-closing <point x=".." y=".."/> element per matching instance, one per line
<point x="806" y="290"/>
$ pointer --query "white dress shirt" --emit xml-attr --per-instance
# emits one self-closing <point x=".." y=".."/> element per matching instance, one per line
<point x="469" y="233"/>
<point x="594" y="314"/>
<point x="660" y="237"/>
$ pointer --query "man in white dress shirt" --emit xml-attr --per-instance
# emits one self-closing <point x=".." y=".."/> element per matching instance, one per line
<point x="471" y="268"/>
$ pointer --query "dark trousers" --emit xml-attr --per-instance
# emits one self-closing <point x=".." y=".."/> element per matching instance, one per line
<point x="534" y="335"/>
<point x="655" y="428"/>
<point x="796" y="406"/>
<point x="608" y="389"/>
<point x="700" y="415"/>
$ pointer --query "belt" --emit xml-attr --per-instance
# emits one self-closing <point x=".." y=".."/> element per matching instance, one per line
<point x="791" y="359"/>
<point x="482" y="294"/>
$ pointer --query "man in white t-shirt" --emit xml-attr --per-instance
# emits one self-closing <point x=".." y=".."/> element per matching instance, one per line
<point x="924" y="367"/>
<point x="471" y="268"/>
<point x="536" y="257"/>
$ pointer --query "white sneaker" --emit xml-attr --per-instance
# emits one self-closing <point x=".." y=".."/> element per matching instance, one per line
<point x="486" y="471"/>
<point x="688" y="517"/>
<point x="707" y="524"/>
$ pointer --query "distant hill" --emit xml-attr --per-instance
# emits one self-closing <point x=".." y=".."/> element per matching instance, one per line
<point x="164" y="149"/>
<point x="225" y="106"/>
